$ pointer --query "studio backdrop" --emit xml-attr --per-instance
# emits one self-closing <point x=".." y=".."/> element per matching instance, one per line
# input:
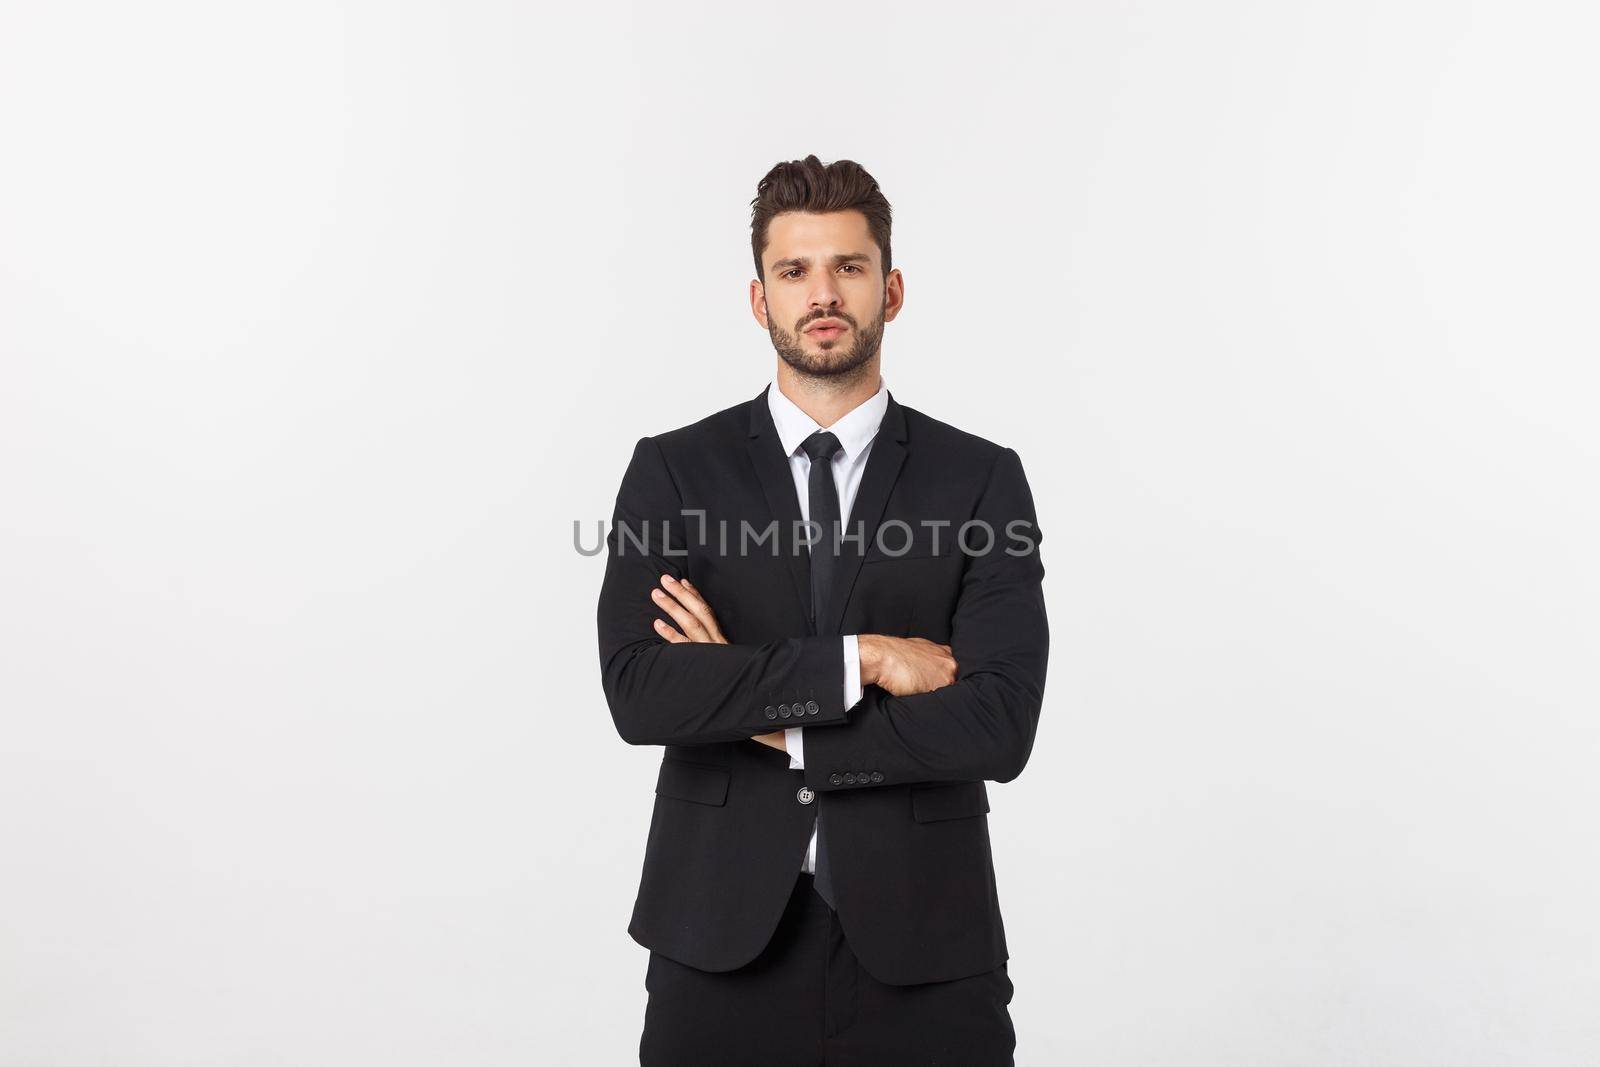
<point x="327" y="332"/>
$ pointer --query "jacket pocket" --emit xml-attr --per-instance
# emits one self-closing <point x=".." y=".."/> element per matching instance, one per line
<point x="698" y="782"/>
<point x="948" y="800"/>
<point x="917" y="542"/>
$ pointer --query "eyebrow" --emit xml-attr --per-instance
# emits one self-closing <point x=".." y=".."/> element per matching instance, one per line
<point x="799" y="261"/>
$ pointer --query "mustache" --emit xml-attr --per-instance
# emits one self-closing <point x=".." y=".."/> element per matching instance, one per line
<point x="800" y="327"/>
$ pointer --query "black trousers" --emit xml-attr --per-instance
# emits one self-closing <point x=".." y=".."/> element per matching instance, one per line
<point x="806" y="1002"/>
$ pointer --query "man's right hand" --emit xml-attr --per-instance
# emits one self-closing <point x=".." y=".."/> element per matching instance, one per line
<point x="905" y="666"/>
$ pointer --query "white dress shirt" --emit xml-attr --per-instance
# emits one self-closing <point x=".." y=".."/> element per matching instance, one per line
<point x="856" y="430"/>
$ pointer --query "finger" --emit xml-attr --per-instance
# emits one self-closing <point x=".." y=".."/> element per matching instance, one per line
<point x="685" y="591"/>
<point x="687" y="623"/>
<point x="666" y="631"/>
<point x="710" y="617"/>
<point x="690" y="625"/>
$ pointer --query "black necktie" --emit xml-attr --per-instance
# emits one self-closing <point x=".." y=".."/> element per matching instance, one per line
<point x="823" y="502"/>
<point x="824" y="506"/>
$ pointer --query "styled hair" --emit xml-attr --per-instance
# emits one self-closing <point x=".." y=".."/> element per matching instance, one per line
<point x="810" y="185"/>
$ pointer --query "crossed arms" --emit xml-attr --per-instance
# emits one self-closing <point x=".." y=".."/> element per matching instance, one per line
<point x="962" y="712"/>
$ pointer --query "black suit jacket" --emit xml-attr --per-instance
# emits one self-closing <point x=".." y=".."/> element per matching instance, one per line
<point x="901" y="778"/>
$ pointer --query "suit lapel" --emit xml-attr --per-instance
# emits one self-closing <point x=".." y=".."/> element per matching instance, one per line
<point x="777" y="485"/>
<point x="877" y="482"/>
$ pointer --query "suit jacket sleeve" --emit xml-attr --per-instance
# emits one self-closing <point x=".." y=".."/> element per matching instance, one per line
<point x="661" y="693"/>
<point x="794" y="738"/>
<point x="982" y="726"/>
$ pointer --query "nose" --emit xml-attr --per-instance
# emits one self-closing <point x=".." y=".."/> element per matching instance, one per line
<point x="825" y="297"/>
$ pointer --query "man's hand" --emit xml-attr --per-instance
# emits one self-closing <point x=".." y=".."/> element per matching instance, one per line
<point x="905" y="665"/>
<point x="775" y="740"/>
<point x="680" y="599"/>
<point x="689" y="610"/>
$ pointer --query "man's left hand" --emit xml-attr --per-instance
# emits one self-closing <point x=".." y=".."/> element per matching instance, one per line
<point x="697" y="624"/>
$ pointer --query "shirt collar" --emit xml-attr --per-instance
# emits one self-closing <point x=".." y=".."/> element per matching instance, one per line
<point x="855" y="429"/>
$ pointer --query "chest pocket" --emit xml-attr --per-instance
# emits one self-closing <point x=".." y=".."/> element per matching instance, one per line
<point x="902" y="539"/>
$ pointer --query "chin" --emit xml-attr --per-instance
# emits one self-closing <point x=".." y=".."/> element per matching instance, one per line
<point x="842" y="365"/>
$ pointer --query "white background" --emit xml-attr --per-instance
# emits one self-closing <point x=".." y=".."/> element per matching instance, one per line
<point x="320" y="324"/>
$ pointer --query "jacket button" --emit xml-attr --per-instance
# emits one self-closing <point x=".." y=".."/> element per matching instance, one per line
<point x="835" y="779"/>
<point x="877" y="776"/>
<point x="811" y="707"/>
<point x="771" y="712"/>
<point x="783" y="711"/>
<point x="849" y="778"/>
<point x="805" y="796"/>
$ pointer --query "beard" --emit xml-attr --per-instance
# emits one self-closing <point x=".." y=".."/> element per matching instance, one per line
<point x="831" y="362"/>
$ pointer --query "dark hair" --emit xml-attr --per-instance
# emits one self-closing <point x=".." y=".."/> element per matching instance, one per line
<point x="810" y="185"/>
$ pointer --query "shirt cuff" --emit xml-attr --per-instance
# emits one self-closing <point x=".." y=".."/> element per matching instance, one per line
<point x="796" y="745"/>
<point x="852" y="671"/>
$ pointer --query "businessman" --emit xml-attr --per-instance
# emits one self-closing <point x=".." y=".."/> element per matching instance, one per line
<point x="826" y="607"/>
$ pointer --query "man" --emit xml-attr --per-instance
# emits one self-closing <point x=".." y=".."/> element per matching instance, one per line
<point x="799" y="605"/>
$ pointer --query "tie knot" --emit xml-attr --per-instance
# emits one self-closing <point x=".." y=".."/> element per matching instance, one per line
<point x="821" y="445"/>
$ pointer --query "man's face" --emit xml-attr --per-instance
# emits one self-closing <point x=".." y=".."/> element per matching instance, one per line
<point x="825" y="299"/>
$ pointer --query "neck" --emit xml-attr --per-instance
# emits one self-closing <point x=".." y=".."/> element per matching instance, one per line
<point x="828" y="399"/>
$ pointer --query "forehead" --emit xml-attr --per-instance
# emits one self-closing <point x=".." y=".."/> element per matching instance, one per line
<point x="809" y="234"/>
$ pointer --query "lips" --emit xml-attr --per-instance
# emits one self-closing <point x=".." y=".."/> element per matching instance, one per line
<point x="826" y="330"/>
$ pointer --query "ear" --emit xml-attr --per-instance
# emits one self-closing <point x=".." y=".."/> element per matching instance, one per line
<point x="758" y="301"/>
<point x="894" y="295"/>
